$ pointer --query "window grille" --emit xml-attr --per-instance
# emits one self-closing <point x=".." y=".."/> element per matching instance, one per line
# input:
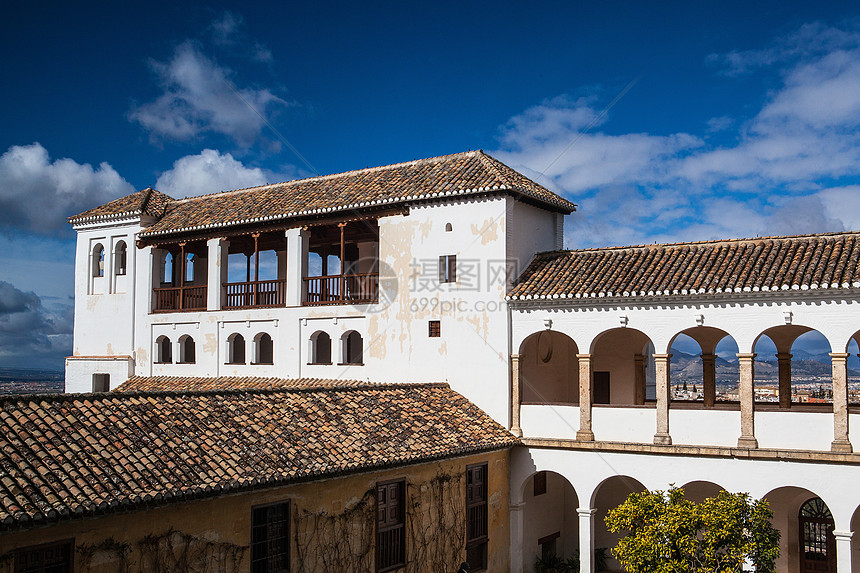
<point x="476" y="516"/>
<point x="390" y="521"/>
<point x="435" y="328"/>
<point x="270" y="538"/>
<point x="49" y="558"/>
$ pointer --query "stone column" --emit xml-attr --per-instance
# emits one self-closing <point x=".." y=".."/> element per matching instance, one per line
<point x="516" y="398"/>
<point x="585" y="432"/>
<point x="783" y="359"/>
<point x="661" y="368"/>
<point x="516" y="538"/>
<point x="709" y="379"/>
<point x="586" y="539"/>
<point x="843" y="551"/>
<point x="839" y="364"/>
<point x="297" y="256"/>
<point x="746" y="394"/>
<point x="216" y="272"/>
<point x="639" y="379"/>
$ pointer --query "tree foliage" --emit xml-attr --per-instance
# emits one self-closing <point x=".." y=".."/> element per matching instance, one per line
<point x="667" y="533"/>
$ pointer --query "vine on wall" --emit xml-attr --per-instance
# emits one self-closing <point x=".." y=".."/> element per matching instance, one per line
<point x="436" y="524"/>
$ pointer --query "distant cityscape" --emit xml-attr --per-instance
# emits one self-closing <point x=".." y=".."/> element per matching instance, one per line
<point x="25" y="381"/>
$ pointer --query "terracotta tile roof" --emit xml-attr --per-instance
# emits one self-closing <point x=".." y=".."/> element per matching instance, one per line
<point x="188" y="384"/>
<point x="823" y="261"/>
<point x="75" y="455"/>
<point x="145" y="202"/>
<point x="473" y="172"/>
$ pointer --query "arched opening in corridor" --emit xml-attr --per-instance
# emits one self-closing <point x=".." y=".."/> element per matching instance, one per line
<point x="622" y="367"/>
<point x="806" y="542"/>
<point x="699" y="491"/>
<point x="549" y="369"/>
<point x="609" y="495"/>
<point x="550" y="520"/>
<point x="853" y="365"/>
<point x="792" y="367"/>
<point x="704" y="365"/>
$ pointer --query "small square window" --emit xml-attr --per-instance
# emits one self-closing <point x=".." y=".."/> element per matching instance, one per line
<point x="448" y="269"/>
<point x="435" y="328"/>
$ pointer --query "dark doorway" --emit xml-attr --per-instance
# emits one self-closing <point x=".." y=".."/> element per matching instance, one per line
<point x="601" y="387"/>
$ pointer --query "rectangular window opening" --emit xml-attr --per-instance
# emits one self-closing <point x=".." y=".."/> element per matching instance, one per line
<point x="539" y="483"/>
<point x="270" y="538"/>
<point x="448" y="269"/>
<point x="48" y="558"/>
<point x="390" y="525"/>
<point x="476" y="517"/>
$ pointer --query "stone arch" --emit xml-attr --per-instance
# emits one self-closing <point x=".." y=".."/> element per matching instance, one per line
<point x="699" y="490"/>
<point x="609" y="494"/>
<point x="697" y="380"/>
<point x="550" y="519"/>
<point x="235" y="349"/>
<point x="622" y="367"/>
<point x="549" y="369"/>
<point x="786" y="502"/>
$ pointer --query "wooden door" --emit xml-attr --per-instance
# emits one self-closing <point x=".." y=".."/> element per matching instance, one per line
<point x="817" y="544"/>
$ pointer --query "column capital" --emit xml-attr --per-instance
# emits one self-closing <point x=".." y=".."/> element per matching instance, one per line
<point x="515" y="507"/>
<point x="784" y="356"/>
<point x="662" y="356"/>
<point x="746" y="355"/>
<point x="515" y="357"/>
<point x="586" y="511"/>
<point x="839" y="355"/>
<point x="583" y="356"/>
<point x="843" y="535"/>
<point x="704" y="356"/>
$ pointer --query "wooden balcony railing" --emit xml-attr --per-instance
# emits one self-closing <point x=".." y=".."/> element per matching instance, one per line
<point x="254" y="294"/>
<point x="177" y="299"/>
<point x="342" y="289"/>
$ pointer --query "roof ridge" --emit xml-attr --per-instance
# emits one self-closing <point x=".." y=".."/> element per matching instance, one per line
<point x="101" y="396"/>
<point x="700" y="242"/>
<point x="330" y="176"/>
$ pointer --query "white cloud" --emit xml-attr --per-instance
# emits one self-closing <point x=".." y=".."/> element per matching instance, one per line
<point x="225" y="28"/>
<point x="199" y="98"/>
<point x="208" y="172"/>
<point x="211" y="171"/>
<point x="37" y="194"/>
<point x="778" y="178"/>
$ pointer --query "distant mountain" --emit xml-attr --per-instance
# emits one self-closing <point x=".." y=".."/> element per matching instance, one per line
<point x="688" y="368"/>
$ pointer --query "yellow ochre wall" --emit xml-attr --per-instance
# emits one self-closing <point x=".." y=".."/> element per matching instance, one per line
<point x="323" y="514"/>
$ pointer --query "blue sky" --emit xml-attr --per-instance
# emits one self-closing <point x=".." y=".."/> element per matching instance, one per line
<point x="736" y="119"/>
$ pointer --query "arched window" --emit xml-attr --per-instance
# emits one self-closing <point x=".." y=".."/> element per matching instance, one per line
<point x="187" y="350"/>
<point x="818" y="546"/>
<point x="353" y="347"/>
<point x="190" y="264"/>
<point x="448" y="227"/>
<point x="167" y="268"/>
<point x="119" y="258"/>
<point x="98" y="260"/>
<point x="320" y="348"/>
<point x="163" y="351"/>
<point x="236" y="349"/>
<point x="263" y="349"/>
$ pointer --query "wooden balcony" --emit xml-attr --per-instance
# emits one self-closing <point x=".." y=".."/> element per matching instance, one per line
<point x="179" y="299"/>
<point x="254" y="294"/>
<point x="342" y="289"/>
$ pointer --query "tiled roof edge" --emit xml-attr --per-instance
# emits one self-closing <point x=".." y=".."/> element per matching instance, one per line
<point x="208" y="492"/>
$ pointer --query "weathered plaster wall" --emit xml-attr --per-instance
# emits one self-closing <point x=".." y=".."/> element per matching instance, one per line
<point x="227" y="519"/>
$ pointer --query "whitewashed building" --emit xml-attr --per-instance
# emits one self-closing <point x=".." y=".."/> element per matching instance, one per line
<point x="450" y="269"/>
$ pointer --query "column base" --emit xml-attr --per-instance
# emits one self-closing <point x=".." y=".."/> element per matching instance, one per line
<point x="748" y="442"/>
<point x="662" y="439"/>
<point x="585" y="435"/>
<point x="841" y="446"/>
<point x="517" y="431"/>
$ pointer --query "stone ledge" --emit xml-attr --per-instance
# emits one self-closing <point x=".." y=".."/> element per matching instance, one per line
<point x="812" y="456"/>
